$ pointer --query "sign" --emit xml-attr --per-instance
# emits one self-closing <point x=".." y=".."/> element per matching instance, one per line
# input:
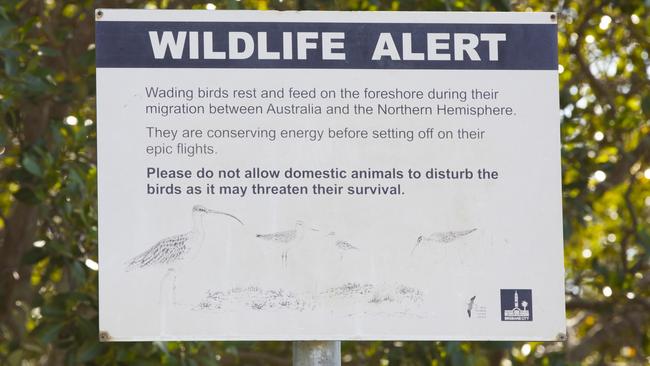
<point x="329" y="175"/>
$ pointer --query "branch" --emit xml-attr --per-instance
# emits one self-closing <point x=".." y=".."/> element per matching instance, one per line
<point x="615" y="332"/>
<point x="621" y="170"/>
<point x="19" y="235"/>
<point x="599" y="89"/>
<point x="595" y="306"/>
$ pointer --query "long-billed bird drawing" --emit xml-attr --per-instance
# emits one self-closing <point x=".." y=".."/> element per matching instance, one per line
<point x="286" y="239"/>
<point x="442" y="237"/>
<point x="176" y="251"/>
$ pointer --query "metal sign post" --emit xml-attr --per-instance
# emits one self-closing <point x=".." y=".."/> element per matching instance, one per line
<point x="317" y="353"/>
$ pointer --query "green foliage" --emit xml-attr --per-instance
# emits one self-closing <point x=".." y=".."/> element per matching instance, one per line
<point x="48" y="209"/>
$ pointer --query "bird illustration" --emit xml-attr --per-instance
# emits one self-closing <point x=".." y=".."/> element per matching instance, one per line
<point x="176" y="251"/>
<point x="342" y="245"/>
<point x="286" y="239"/>
<point x="442" y="237"/>
<point x="470" y="306"/>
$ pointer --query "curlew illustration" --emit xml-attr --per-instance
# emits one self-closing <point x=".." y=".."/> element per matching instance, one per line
<point x="286" y="239"/>
<point x="442" y="237"/>
<point x="176" y="251"/>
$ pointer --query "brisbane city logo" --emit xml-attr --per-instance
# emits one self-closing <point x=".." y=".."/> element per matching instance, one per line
<point x="516" y="305"/>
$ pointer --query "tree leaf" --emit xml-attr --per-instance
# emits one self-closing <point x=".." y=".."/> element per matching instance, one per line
<point x="31" y="165"/>
<point x="88" y="351"/>
<point x="48" y="332"/>
<point x="27" y="195"/>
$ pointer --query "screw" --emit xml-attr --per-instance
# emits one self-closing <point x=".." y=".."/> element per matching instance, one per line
<point x="561" y="337"/>
<point x="553" y="17"/>
<point x="99" y="14"/>
<point x="104" y="336"/>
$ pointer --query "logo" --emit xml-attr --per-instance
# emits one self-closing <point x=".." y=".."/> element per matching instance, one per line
<point x="517" y="305"/>
<point x="475" y="309"/>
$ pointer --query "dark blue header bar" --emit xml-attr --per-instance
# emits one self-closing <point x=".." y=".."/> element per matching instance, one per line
<point x="326" y="45"/>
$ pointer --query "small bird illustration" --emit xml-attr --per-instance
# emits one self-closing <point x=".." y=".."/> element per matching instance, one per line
<point x="342" y="245"/>
<point x="470" y="306"/>
<point x="442" y="237"/>
<point x="176" y="251"/>
<point x="286" y="239"/>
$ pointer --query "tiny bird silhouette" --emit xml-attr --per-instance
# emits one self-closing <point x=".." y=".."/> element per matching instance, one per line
<point x="470" y="306"/>
<point x="176" y="251"/>
<point x="442" y="237"/>
<point x="286" y="239"/>
<point x="342" y="245"/>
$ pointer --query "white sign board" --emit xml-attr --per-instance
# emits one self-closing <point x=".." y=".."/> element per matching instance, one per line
<point x="329" y="175"/>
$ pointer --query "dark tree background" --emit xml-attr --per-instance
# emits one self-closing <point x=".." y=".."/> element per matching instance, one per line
<point x="48" y="208"/>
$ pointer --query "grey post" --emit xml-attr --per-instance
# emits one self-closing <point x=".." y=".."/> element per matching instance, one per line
<point x="317" y="353"/>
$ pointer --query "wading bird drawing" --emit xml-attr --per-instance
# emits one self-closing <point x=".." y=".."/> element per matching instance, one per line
<point x="286" y="239"/>
<point x="341" y="245"/>
<point x="442" y="237"/>
<point x="176" y="251"/>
